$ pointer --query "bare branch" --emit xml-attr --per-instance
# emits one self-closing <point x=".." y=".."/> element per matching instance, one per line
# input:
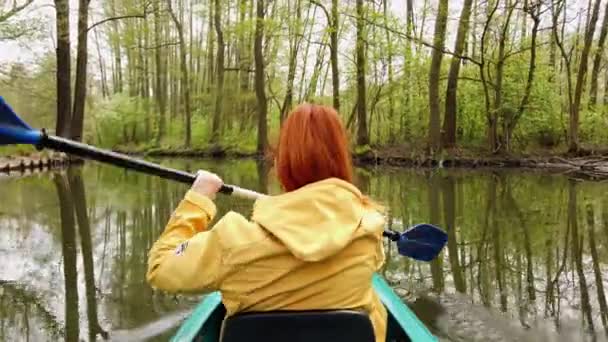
<point x="414" y="39"/>
<point x="16" y="9"/>
<point x="139" y="16"/>
<point x="315" y="2"/>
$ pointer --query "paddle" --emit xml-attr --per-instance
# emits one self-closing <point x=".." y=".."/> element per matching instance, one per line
<point x="13" y="131"/>
<point x="422" y="242"/>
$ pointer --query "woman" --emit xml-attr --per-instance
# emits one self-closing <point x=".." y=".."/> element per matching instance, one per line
<point x="314" y="247"/>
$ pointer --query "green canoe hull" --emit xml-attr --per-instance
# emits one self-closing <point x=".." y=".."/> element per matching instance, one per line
<point x="205" y="322"/>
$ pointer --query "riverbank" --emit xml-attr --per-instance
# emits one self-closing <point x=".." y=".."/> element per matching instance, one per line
<point x="592" y="165"/>
<point x="589" y="165"/>
<point x="206" y="152"/>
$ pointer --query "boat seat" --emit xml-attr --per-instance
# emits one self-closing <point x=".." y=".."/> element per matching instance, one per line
<point x="299" y="326"/>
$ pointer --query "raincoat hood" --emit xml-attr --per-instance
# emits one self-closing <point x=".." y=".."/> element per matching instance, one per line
<point x="318" y="220"/>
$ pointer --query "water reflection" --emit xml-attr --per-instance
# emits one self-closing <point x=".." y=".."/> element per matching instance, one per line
<point x="524" y="260"/>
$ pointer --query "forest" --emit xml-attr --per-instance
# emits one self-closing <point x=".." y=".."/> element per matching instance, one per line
<point x="489" y="76"/>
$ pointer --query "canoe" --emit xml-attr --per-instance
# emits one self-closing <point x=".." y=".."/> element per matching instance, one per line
<point x="205" y="322"/>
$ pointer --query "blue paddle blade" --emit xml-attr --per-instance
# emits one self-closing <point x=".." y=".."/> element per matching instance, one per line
<point x="13" y="130"/>
<point x="422" y="242"/>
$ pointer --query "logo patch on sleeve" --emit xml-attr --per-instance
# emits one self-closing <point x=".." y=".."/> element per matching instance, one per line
<point x="181" y="248"/>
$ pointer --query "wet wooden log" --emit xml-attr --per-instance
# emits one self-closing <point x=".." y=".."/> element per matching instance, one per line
<point x="34" y="163"/>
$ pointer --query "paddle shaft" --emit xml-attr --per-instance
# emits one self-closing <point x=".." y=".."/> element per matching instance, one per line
<point x="119" y="159"/>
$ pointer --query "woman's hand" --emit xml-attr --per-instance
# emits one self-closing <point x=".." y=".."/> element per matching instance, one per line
<point x="207" y="183"/>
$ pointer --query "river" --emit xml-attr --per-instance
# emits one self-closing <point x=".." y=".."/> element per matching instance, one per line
<point x="525" y="260"/>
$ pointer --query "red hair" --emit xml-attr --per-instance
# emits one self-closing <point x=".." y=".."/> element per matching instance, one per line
<point x="312" y="146"/>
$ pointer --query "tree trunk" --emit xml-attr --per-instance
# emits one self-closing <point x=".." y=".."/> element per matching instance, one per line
<point x="305" y="57"/>
<point x="498" y="111"/>
<point x="64" y="98"/>
<point x="117" y="78"/>
<point x="80" y="87"/>
<point x="316" y="71"/>
<point x="449" y="121"/>
<point x="102" y="70"/>
<point x="524" y="22"/>
<point x="490" y="117"/>
<point x="391" y="101"/>
<point x="409" y="22"/>
<point x="244" y="50"/>
<point x="294" y="46"/>
<point x="219" y="86"/>
<point x="597" y="60"/>
<point x="434" y="73"/>
<point x="184" y="76"/>
<point x="425" y="7"/>
<point x="473" y="31"/>
<point x="362" y="135"/>
<point x="580" y="80"/>
<point x="511" y="121"/>
<point x="159" y="91"/>
<point x="606" y="88"/>
<point x="335" y="72"/>
<point x="407" y="69"/>
<point x="210" y="44"/>
<point x="552" y="51"/>
<point x="145" y="86"/>
<point x="260" y="84"/>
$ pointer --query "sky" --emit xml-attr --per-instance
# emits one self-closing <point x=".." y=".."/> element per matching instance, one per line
<point x="26" y="51"/>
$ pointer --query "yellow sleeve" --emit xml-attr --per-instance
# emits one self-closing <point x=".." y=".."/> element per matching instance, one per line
<point x="188" y="256"/>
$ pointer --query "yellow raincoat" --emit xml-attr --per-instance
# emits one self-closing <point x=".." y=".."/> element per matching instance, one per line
<point x="313" y="248"/>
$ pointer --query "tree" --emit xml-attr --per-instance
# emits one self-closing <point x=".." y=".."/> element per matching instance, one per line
<point x="390" y="94"/>
<point x="62" y="10"/>
<point x="294" y="46"/>
<point x="219" y="87"/>
<point x="362" y="133"/>
<point x="597" y="60"/>
<point x="260" y="83"/>
<point x="498" y="110"/>
<point x="160" y="85"/>
<point x="434" y="73"/>
<point x="511" y="121"/>
<point x="335" y="72"/>
<point x="575" y="99"/>
<point x="80" y="87"/>
<point x="449" y="122"/>
<point x="185" y="76"/>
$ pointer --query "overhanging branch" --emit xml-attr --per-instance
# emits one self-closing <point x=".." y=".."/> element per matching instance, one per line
<point x="414" y="39"/>
<point x="139" y="16"/>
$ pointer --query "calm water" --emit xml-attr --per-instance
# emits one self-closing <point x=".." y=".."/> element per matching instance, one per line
<point x="526" y="258"/>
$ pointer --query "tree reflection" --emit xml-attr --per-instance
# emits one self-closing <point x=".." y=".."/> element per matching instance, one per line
<point x="435" y="218"/>
<point x="450" y="227"/>
<point x="80" y="205"/>
<point x="599" y="284"/>
<point x="577" y="253"/>
<point x="68" y="248"/>
<point x="517" y="243"/>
